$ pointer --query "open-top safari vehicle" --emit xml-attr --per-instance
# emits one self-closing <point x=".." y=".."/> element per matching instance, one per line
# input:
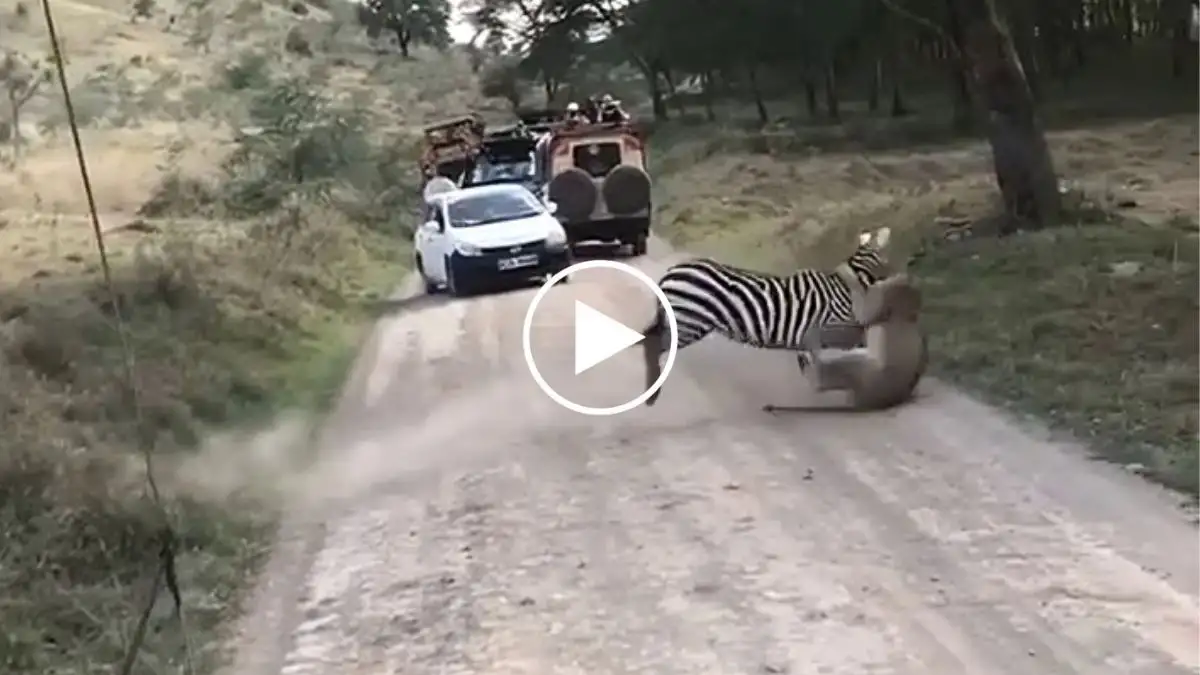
<point x="450" y="147"/>
<point x="596" y="176"/>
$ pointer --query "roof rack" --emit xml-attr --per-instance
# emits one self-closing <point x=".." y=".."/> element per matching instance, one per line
<point x="589" y="128"/>
<point x="465" y="129"/>
<point x="541" y="117"/>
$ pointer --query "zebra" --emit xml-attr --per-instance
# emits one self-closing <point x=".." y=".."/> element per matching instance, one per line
<point x="760" y="310"/>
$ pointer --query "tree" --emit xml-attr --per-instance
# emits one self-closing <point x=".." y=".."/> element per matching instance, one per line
<point x="548" y="35"/>
<point x="1023" y="165"/>
<point x="502" y="79"/>
<point x="142" y="9"/>
<point x="997" y="58"/>
<point x="411" y="21"/>
<point x="22" y="79"/>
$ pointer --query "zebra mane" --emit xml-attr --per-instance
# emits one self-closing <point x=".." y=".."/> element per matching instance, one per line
<point x="865" y="266"/>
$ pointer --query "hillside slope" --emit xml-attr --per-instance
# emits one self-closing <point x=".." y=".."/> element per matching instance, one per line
<point x="241" y="287"/>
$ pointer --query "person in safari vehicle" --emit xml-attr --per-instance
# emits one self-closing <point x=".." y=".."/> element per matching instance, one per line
<point x="575" y="116"/>
<point x="611" y="111"/>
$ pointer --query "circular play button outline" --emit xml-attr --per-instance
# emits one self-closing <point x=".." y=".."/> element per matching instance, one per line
<point x="527" y="330"/>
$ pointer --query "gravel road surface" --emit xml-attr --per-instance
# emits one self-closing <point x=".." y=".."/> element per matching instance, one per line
<point x="461" y="522"/>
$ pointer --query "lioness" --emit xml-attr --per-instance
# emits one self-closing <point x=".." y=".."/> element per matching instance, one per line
<point x="885" y="372"/>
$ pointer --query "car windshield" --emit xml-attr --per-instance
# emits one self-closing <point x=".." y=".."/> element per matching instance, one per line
<point x="505" y="171"/>
<point x="492" y="207"/>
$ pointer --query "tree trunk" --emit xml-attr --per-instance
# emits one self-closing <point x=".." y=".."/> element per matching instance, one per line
<point x="810" y="97"/>
<point x="899" y="109"/>
<point x="831" y="98"/>
<point x="658" y="104"/>
<point x="1079" y="36"/>
<point x="963" y="117"/>
<point x="892" y="69"/>
<point x="404" y="39"/>
<point x="1023" y="40"/>
<point x="15" y="118"/>
<point x="759" y="104"/>
<point x="1128" y="29"/>
<point x="706" y="88"/>
<point x="873" y="92"/>
<point x="675" y="98"/>
<point x="1024" y="168"/>
<point x="1183" y="48"/>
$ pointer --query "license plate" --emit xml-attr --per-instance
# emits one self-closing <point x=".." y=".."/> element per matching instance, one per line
<point x="527" y="260"/>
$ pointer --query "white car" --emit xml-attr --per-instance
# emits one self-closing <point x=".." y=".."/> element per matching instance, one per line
<point x="474" y="237"/>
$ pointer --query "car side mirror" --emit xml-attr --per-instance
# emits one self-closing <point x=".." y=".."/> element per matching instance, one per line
<point x="430" y="226"/>
<point x="552" y="207"/>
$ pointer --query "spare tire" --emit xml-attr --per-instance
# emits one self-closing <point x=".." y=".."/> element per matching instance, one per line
<point x="626" y="190"/>
<point x="574" y="193"/>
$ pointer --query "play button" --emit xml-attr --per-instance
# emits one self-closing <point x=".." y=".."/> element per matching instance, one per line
<point x="604" y="377"/>
<point x="599" y="337"/>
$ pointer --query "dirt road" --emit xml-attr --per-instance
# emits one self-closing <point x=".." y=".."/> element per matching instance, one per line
<point x="467" y="524"/>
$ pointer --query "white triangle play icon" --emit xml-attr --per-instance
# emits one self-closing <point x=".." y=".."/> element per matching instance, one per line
<point x="598" y="337"/>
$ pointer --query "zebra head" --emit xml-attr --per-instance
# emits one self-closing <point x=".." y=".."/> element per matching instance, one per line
<point x="869" y="262"/>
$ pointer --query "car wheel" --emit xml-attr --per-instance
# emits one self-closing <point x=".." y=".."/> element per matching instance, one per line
<point x="640" y="245"/>
<point x="431" y="287"/>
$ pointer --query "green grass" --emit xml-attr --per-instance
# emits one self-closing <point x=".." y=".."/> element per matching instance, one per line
<point x="1090" y="326"/>
<point x="1043" y="323"/>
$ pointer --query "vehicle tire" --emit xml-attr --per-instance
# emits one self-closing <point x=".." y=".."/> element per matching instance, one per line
<point x="428" y="284"/>
<point x="626" y="190"/>
<point x="454" y="285"/>
<point x="574" y="193"/>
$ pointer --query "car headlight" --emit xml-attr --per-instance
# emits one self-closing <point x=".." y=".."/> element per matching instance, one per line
<point x="467" y="249"/>
<point x="556" y="240"/>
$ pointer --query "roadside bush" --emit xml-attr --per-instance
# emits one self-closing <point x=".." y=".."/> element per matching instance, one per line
<point x="297" y="42"/>
<point x="249" y="70"/>
<point x="300" y="148"/>
<point x="179" y="195"/>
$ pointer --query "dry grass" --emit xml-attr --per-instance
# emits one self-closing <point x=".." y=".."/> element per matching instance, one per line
<point x="1040" y="322"/>
<point x="231" y="316"/>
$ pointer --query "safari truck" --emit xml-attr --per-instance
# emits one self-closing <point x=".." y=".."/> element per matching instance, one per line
<point x="595" y="175"/>
<point x="450" y="147"/>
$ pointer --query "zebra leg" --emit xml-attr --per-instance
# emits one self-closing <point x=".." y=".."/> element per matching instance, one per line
<point x="656" y="344"/>
<point x="652" y="348"/>
<point x="836" y="336"/>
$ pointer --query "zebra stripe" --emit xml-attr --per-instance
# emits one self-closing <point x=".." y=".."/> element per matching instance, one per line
<point x="762" y="310"/>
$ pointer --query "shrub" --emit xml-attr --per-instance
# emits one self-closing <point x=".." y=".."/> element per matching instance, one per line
<point x="300" y="148"/>
<point x="250" y="70"/>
